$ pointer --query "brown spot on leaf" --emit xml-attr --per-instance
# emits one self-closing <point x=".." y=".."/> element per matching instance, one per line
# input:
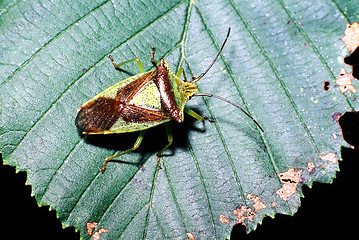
<point x="90" y="226"/>
<point x="331" y="157"/>
<point x="290" y="180"/>
<point x="96" y="235"/>
<point x="244" y="213"/>
<point x="258" y="204"/>
<point x="335" y="117"/>
<point x="223" y="219"/>
<point x="310" y="166"/>
<point x="326" y="85"/>
<point x="344" y="81"/>
<point x="351" y="36"/>
<point x="190" y="236"/>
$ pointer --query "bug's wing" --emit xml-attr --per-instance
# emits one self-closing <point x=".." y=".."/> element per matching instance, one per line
<point x="134" y="118"/>
<point x="136" y="114"/>
<point x="126" y="88"/>
<point x="98" y="115"/>
<point x="129" y="91"/>
<point x="106" y="115"/>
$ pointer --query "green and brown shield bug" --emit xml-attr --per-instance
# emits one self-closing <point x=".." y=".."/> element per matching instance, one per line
<point x="143" y="101"/>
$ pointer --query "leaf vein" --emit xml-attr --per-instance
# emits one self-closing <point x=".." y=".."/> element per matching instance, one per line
<point x="50" y="41"/>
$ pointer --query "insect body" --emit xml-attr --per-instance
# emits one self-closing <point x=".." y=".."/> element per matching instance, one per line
<point x="141" y="102"/>
<point x="136" y="103"/>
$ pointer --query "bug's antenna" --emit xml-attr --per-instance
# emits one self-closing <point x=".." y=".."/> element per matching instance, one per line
<point x="195" y="79"/>
<point x="227" y="101"/>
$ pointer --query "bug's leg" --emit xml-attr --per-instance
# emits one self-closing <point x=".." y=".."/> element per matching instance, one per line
<point x="170" y="140"/>
<point x="197" y="116"/>
<point x="179" y="73"/>
<point x="137" y="144"/>
<point x="153" y="60"/>
<point x="117" y="66"/>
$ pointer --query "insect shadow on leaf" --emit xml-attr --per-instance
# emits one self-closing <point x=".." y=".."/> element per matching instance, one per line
<point x="153" y="142"/>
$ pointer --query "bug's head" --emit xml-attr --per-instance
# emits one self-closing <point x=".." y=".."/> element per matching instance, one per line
<point x="189" y="89"/>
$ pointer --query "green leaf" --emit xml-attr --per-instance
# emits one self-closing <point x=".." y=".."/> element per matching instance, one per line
<point x="279" y="53"/>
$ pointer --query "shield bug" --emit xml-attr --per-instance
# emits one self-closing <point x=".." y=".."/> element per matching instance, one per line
<point x="143" y="101"/>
